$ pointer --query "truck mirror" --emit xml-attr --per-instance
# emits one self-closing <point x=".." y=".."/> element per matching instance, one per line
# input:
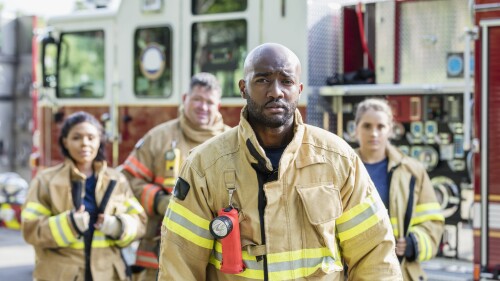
<point x="49" y="60"/>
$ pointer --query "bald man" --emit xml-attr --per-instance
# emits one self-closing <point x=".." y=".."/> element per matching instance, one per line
<point x="301" y="202"/>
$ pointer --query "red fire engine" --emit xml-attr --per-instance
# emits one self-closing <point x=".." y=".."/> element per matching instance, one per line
<point x="128" y="62"/>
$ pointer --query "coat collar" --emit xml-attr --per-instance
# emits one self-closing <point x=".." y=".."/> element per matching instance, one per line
<point x="256" y="153"/>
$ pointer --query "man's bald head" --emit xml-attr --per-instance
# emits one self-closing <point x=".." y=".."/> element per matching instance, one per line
<point x="273" y="54"/>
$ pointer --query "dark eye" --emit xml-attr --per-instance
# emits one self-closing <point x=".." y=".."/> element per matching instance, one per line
<point x="287" y="82"/>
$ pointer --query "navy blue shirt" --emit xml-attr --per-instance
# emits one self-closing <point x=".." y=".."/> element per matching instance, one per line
<point x="274" y="154"/>
<point x="90" y="202"/>
<point x="379" y="176"/>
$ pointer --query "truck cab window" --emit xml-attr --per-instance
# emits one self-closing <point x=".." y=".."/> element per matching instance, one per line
<point x="219" y="47"/>
<point x="153" y="62"/>
<point x="81" y="65"/>
<point x="203" y="7"/>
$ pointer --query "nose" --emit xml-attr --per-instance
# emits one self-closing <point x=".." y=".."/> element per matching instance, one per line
<point x="275" y="90"/>
<point x="86" y="141"/>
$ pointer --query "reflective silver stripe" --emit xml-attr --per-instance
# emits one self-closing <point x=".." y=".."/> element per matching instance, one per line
<point x="61" y="231"/>
<point x="427" y="212"/>
<point x="35" y="212"/>
<point x="360" y="218"/>
<point x="173" y="216"/>
<point x="296" y="264"/>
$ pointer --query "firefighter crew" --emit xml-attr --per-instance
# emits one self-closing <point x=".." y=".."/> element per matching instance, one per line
<point x="153" y="166"/>
<point x="403" y="185"/>
<point x="305" y="202"/>
<point x="80" y="213"/>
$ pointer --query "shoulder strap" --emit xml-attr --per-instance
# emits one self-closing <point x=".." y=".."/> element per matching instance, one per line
<point x="409" y="207"/>
<point x="106" y="196"/>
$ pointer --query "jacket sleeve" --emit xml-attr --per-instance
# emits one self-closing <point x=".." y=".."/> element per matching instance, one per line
<point x="364" y="230"/>
<point x="133" y="218"/>
<point x="41" y="227"/>
<point x="186" y="241"/>
<point x="427" y="221"/>
<point x="139" y="171"/>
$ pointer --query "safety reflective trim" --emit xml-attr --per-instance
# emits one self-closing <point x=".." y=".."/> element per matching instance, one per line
<point x="424" y="245"/>
<point x="59" y="227"/>
<point x="427" y="212"/>
<point x="137" y="169"/>
<point x="159" y="180"/>
<point x="395" y="228"/>
<point x="360" y="218"/>
<point x="148" y="197"/>
<point x="133" y="206"/>
<point x="146" y="259"/>
<point x="34" y="210"/>
<point x="99" y="240"/>
<point x="129" y="230"/>
<point x="186" y="224"/>
<point x="286" y="265"/>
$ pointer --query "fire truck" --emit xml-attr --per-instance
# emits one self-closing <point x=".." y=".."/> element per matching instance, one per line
<point x="486" y="161"/>
<point x="128" y="63"/>
<point x="16" y="35"/>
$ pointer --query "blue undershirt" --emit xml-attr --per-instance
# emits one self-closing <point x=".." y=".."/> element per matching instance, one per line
<point x="90" y="202"/>
<point x="274" y="154"/>
<point x="378" y="174"/>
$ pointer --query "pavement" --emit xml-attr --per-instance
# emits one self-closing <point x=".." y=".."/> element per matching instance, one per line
<point x="17" y="258"/>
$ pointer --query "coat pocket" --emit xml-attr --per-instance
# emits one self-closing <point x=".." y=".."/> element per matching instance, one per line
<point x="322" y="205"/>
<point x="321" y="202"/>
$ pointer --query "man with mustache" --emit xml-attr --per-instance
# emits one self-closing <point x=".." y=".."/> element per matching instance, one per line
<point x="305" y="204"/>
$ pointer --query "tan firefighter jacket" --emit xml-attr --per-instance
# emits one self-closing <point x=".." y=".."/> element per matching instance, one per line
<point x="322" y="210"/>
<point x="424" y="221"/>
<point x="59" y="249"/>
<point x="149" y="172"/>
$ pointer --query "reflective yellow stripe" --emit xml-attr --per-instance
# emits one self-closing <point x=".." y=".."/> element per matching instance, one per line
<point x="186" y="213"/>
<point x="133" y="206"/>
<point x="427" y="207"/>
<point x="395" y="229"/>
<point x="34" y="210"/>
<point x="99" y="241"/>
<point x="424" y="245"/>
<point x="188" y="235"/>
<point x="186" y="224"/>
<point x="59" y="227"/>
<point x="285" y="265"/>
<point x="360" y="218"/>
<point x="427" y="212"/>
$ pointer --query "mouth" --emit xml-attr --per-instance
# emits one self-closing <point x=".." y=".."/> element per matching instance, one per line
<point x="275" y="107"/>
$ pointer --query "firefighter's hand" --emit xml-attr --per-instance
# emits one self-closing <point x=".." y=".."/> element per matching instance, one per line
<point x="109" y="225"/>
<point x="161" y="203"/>
<point x="400" y="246"/>
<point x="80" y="219"/>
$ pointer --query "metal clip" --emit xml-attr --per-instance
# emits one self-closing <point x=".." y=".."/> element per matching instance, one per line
<point x="231" y="191"/>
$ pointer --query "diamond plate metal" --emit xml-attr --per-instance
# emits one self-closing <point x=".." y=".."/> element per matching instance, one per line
<point x="429" y="30"/>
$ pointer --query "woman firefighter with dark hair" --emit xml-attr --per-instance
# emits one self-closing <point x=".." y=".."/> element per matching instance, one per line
<point x="80" y="213"/>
